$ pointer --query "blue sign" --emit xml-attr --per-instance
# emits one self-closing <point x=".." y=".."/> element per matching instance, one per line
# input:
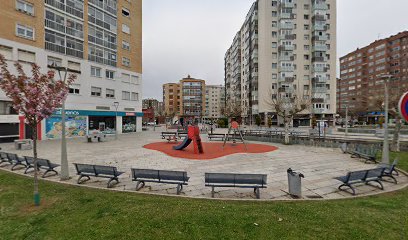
<point x="69" y="112"/>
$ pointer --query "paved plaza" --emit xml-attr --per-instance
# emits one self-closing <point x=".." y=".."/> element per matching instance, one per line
<point x="319" y="165"/>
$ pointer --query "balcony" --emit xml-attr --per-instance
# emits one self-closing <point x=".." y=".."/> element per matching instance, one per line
<point x="320" y="79"/>
<point x="319" y="69"/>
<point x="286" y="15"/>
<point x="319" y="59"/>
<point x="286" y="79"/>
<point x="287" y="25"/>
<point x="287" y="37"/>
<point x="286" y="48"/>
<point x="319" y="91"/>
<point x="319" y="17"/>
<point x="68" y="9"/>
<point x="287" y="58"/>
<point x="319" y="48"/>
<point x="286" y="69"/>
<point x="317" y="37"/>
<point x="319" y="27"/>
<point x="320" y="6"/>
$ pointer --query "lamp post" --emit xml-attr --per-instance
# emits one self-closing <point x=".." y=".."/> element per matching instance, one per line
<point x="64" y="155"/>
<point x="385" y="154"/>
<point x="116" y="105"/>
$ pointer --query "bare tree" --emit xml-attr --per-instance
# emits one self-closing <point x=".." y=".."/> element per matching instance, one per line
<point x="287" y="106"/>
<point x="394" y="97"/>
<point x="232" y="109"/>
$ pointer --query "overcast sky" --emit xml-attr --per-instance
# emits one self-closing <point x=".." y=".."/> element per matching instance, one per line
<point x="182" y="37"/>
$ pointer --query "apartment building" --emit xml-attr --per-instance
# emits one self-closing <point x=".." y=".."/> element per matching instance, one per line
<point x="214" y="101"/>
<point x="361" y="72"/>
<point x="171" y="99"/>
<point x="185" y="99"/>
<point x="284" y="47"/>
<point x="99" y="41"/>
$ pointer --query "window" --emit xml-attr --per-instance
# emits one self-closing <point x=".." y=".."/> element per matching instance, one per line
<point x="274" y="65"/>
<point x="96" y="91"/>
<point x="306" y="27"/>
<point x="74" y="66"/>
<point x="274" y="24"/>
<point x="125" y="12"/>
<point x="26" y="56"/>
<point x="110" y="93"/>
<point x="126" y="61"/>
<point x="25" y="7"/>
<point x="274" y="44"/>
<point x="306" y="17"/>
<point x="110" y="74"/>
<point x="25" y="31"/>
<point x="125" y="28"/>
<point x="125" y="95"/>
<point x="74" y="89"/>
<point x="274" y="34"/>
<point x="306" y="37"/>
<point x="125" y="77"/>
<point x="54" y="62"/>
<point x="135" y="96"/>
<point x="6" y="51"/>
<point x="274" y="13"/>
<point x="95" y="72"/>
<point x="134" y="79"/>
<point x="125" y="45"/>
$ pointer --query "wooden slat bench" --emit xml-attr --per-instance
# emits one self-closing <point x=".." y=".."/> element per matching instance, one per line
<point x="141" y="176"/>
<point x="88" y="171"/>
<point x="363" y="176"/>
<point x="41" y="163"/>
<point x="255" y="181"/>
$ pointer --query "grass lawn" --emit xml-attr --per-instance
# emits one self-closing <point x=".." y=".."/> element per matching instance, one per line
<point x="82" y="213"/>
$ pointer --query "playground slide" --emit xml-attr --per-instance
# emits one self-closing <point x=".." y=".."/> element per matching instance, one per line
<point x="184" y="144"/>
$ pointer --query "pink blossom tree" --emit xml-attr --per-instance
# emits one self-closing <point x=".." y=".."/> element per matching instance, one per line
<point x="35" y="97"/>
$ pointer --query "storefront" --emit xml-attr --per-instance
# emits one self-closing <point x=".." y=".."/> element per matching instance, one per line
<point x="79" y="122"/>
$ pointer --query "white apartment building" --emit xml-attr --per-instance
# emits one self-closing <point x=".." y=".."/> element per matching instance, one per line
<point x="214" y="101"/>
<point x="99" y="41"/>
<point x="284" y="47"/>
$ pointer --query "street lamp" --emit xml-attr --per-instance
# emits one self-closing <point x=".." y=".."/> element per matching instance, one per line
<point x="116" y="105"/>
<point x="385" y="154"/>
<point x="64" y="155"/>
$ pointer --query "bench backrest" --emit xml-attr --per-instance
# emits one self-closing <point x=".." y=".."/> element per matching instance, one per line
<point x="12" y="156"/>
<point x="43" y="162"/>
<point x="159" y="174"/>
<point x="84" y="168"/>
<point x="106" y="170"/>
<point x="374" y="173"/>
<point x="29" y="160"/>
<point x="3" y="155"/>
<point x="225" y="178"/>
<point x="356" y="175"/>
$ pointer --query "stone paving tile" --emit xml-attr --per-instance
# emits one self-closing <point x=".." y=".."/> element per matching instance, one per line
<point x="319" y="165"/>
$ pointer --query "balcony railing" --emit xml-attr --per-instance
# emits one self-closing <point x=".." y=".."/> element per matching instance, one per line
<point x="319" y="48"/>
<point x="286" y="15"/>
<point x="319" y="59"/>
<point x="61" y="28"/>
<point x="319" y="27"/>
<point x="323" y="37"/>
<point x="287" y="25"/>
<point x="286" y="58"/>
<point x="286" y="48"/>
<point x="286" y="69"/>
<point x="320" y="6"/>
<point x="68" y="9"/>
<point x="287" y="5"/>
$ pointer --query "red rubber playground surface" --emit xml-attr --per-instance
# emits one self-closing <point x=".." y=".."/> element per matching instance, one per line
<point x="211" y="150"/>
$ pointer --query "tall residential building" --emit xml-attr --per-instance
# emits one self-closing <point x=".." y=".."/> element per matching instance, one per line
<point x="185" y="99"/>
<point x="284" y="47"/>
<point x="214" y="101"/>
<point x="360" y="75"/>
<point x="99" y="41"/>
<point x="171" y="99"/>
<point x="150" y="103"/>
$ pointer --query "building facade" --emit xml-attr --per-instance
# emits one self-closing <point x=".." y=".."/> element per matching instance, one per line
<point x="99" y="41"/>
<point x="185" y="100"/>
<point x="361" y="71"/>
<point x="284" y="47"/>
<point x="214" y="101"/>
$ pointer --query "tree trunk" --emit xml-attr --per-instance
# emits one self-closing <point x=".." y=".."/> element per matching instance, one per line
<point x="36" y="192"/>
<point x="287" y="140"/>
<point x="395" y="146"/>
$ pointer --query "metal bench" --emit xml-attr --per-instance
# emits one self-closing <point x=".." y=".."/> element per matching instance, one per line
<point x="159" y="176"/>
<point x="255" y="181"/>
<point x="363" y="176"/>
<point x="88" y="171"/>
<point x="169" y="136"/>
<point x="367" y="152"/>
<point x="182" y="134"/>
<point x="219" y="136"/>
<point x="390" y="169"/>
<point x="12" y="159"/>
<point x="96" y="137"/>
<point x="41" y="163"/>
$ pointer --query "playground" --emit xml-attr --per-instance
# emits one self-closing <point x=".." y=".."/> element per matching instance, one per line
<point x="319" y="165"/>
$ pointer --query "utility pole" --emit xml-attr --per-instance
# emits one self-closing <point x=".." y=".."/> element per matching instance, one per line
<point x="385" y="153"/>
<point x="64" y="155"/>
